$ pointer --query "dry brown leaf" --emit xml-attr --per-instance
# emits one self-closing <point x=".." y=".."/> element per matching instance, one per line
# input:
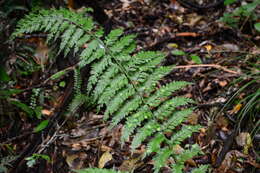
<point x="222" y="122"/>
<point x="177" y="149"/>
<point x="244" y="140"/>
<point x="193" y="119"/>
<point x="106" y="157"/>
<point x="129" y="165"/>
<point x="191" y="162"/>
<point x="230" y="160"/>
<point x="74" y="161"/>
<point x="42" y="53"/>
<point x="193" y="19"/>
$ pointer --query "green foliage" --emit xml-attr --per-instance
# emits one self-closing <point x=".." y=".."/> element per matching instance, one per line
<point x="257" y="26"/>
<point x="41" y="126"/>
<point x="228" y="2"/>
<point x="240" y="14"/>
<point x="195" y="58"/>
<point x="125" y="85"/>
<point x="32" y="159"/>
<point x="200" y="169"/>
<point x="29" y="111"/>
<point x="5" y="161"/>
<point x="6" y="93"/>
<point x="3" y="75"/>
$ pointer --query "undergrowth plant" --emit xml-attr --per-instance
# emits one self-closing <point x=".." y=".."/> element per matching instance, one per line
<point x="241" y="15"/>
<point x="123" y="84"/>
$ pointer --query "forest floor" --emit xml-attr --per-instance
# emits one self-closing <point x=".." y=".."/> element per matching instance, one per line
<point x="215" y="58"/>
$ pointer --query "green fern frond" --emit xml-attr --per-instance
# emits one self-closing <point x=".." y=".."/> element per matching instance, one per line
<point x="201" y="169"/>
<point x="161" y="158"/>
<point x="77" y="81"/>
<point x="113" y="36"/>
<point x="125" y="84"/>
<point x="76" y="102"/>
<point x="126" y="109"/>
<point x="185" y="132"/>
<point x="155" y="144"/>
<point x="188" y="154"/>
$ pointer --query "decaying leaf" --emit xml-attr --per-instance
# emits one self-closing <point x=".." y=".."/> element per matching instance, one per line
<point x="244" y="140"/>
<point x="76" y="161"/>
<point x="130" y="165"/>
<point x="106" y="157"/>
<point x="193" y="119"/>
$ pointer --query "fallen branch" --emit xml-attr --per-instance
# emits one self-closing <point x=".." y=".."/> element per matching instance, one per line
<point x="208" y="65"/>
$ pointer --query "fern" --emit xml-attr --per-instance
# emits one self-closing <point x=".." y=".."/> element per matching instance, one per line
<point x="126" y="85"/>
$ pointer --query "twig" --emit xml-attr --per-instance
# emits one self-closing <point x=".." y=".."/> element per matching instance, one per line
<point x="208" y="65"/>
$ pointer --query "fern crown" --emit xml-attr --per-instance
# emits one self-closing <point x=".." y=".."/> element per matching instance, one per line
<point x="126" y="85"/>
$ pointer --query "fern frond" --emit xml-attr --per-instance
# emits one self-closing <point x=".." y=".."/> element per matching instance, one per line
<point x="155" y="144"/>
<point x="187" y="154"/>
<point x="153" y="126"/>
<point x="177" y="168"/>
<point x="185" y="132"/>
<point x="118" y="100"/>
<point x="77" y="81"/>
<point x="113" y="36"/>
<point x="124" y="83"/>
<point x="201" y="169"/>
<point x="166" y="109"/>
<point x="76" y="102"/>
<point x="121" y="44"/>
<point x="68" y="26"/>
<point x="165" y="92"/>
<point x="133" y="122"/>
<point x="161" y="158"/>
<point x="126" y="109"/>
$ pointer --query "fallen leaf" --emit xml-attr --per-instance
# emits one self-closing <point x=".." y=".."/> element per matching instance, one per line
<point x="177" y="149"/>
<point x="236" y="108"/>
<point x="73" y="161"/>
<point x="193" y="119"/>
<point x="244" y="140"/>
<point x="230" y="47"/>
<point x="208" y="47"/>
<point x="106" y="157"/>
<point x="172" y="45"/>
<point x="193" y="19"/>
<point x="191" y="162"/>
<point x="230" y="160"/>
<point x="104" y="148"/>
<point x="222" y="122"/>
<point x="129" y="165"/>
<point x="42" y="53"/>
